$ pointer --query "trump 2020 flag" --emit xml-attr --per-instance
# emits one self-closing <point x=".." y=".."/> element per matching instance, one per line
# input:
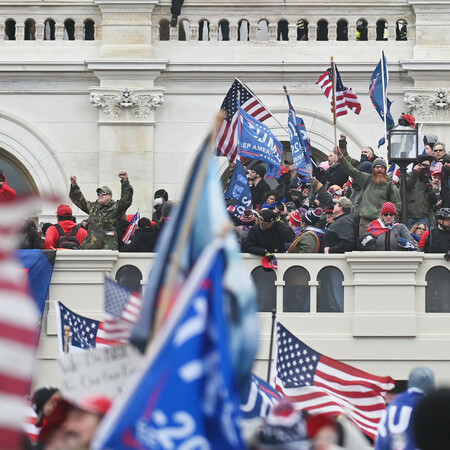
<point x="256" y="141"/>
<point x="184" y="396"/>
<point x="239" y="189"/>
<point x="322" y="385"/>
<point x="299" y="142"/>
<point x="378" y="94"/>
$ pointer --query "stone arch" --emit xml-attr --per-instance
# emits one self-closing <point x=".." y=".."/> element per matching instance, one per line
<point x="42" y="162"/>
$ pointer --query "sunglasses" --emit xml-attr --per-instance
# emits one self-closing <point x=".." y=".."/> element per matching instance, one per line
<point x="101" y="193"/>
<point x="439" y="150"/>
<point x="388" y="214"/>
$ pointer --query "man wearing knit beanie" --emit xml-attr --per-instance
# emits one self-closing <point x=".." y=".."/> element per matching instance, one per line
<point x="310" y="239"/>
<point x="396" y="428"/>
<point x="258" y="186"/>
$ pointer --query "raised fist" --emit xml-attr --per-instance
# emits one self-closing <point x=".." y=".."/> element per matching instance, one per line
<point x="123" y="175"/>
<point x="73" y="180"/>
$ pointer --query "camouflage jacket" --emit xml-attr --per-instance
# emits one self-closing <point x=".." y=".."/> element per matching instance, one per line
<point x="103" y="219"/>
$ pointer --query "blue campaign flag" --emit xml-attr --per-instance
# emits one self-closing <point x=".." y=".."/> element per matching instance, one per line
<point x="300" y="147"/>
<point x="256" y="141"/>
<point x="184" y="395"/>
<point x="239" y="189"/>
<point x="378" y="94"/>
<point x="38" y="268"/>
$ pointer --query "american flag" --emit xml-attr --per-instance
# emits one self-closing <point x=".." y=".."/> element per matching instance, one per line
<point x="122" y="309"/>
<point x="227" y="139"/>
<point x="85" y="333"/>
<point x="18" y="327"/>
<point x="321" y="385"/>
<point x="345" y="96"/>
<point x="29" y="427"/>
<point x="131" y="228"/>
<point x="394" y="172"/>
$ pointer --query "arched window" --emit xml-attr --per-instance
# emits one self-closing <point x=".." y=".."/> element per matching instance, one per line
<point x="382" y="30"/>
<point x="283" y="30"/>
<point x="130" y="277"/>
<point x="184" y="30"/>
<point x="263" y="30"/>
<point x="264" y="280"/>
<point x="224" y="30"/>
<point x="49" y="30"/>
<point x="164" y="32"/>
<point x="361" y="30"/>
<point x="302" y="30"/>
<point x="342" y="30"/>
<point x="10" y="30"/>
<point x="30" y="30"/>
<point x="16" y="174"/>
<point x="89" y="30"/>
<point x="296" y="290"/>
<point x="437" y="298"/>
<point x="330" y="292"/>
<point x="243" y="30"/>
<point x="203" y="30"/>
<point x="69" y="30"/>
<point x="322" y="30"/>
<point x="401" y="30"/>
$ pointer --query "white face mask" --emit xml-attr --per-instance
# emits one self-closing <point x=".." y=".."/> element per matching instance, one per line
<point x="158" y="201"/>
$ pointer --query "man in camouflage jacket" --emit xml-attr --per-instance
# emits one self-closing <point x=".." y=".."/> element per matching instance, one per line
<point x="103" y="213"/>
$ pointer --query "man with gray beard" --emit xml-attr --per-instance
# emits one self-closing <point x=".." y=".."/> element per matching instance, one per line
<point x="377" y="189"/>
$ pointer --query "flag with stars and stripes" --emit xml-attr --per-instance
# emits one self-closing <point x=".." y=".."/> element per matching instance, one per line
<point x="131" y="228"/>
<point x="227" y="139"/>
<point x="84" y="333"/>
<point x="345" y="96"/>
<point x="122" y="309"/>
<point x="321" y="385"/>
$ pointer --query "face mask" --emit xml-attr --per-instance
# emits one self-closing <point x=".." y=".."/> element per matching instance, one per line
<point x="158" y="201"/>
<point x="364" y="157"/>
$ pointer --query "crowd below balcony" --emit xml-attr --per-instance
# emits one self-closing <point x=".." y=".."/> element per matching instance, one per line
<point x="302" y="30"/>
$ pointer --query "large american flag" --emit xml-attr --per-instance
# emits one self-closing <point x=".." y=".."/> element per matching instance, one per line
<point x="227" y="139"/>
<point x="345" y="96"/>
<point x="122" y="309"/>
<point x="18" y="327"/>
<point x="321" y="385"/>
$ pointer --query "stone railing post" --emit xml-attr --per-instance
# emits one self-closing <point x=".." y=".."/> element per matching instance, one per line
<point x="273" y="29"/>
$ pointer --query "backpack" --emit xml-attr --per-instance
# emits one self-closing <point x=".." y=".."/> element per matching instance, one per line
<point x="67" y="240"/>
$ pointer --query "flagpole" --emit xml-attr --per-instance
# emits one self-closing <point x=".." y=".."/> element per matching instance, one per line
<point x="276" y="120"/>
<point x="384" y="97"/>
<point x="333" y="84"/>
<point x="269" y="369"/>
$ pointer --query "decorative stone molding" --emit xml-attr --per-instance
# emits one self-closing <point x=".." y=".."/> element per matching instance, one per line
<point x="127" y="105"/>
<point x="429" y="106"/>
<point x="121" y="18"/>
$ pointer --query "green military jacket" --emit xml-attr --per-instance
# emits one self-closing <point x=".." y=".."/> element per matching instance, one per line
<point x="103" y="219"/>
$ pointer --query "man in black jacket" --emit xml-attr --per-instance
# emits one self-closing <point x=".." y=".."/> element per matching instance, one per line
<point x="144" y="238"/>
<point x="340" y="236"/>
<point x="269" y="236"/>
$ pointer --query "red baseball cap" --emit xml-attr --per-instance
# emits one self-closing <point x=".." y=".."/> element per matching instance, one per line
<point x="64" y="210"/>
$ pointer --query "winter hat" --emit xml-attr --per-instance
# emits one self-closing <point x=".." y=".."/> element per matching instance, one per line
<point x="268" y="215"/>
<point x="311" y="217"/>
<point x="367" y="242"/>
<point x="64" y="210"/>
<point x="422" y="378"/>
<point x="388" y="207"/>
<point x="379" y="162"/>
<point x="329" y="210"/>
<point x="161" y="193"/>
<point x="430" y="139"/>
<point x="248" y="218"/>
<point x="423" y="158"/>
<point x="365" y="167"/>
<point x="40" y="398"/>
<point x="295" y="218"/>
<point x="260" y="170"/>
<point x="144" y="222"/>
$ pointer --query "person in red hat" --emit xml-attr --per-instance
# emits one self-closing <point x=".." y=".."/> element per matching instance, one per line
<point x="66" y="233"/>
<point x="6" y="192"/>
<point x="72" y="425"/>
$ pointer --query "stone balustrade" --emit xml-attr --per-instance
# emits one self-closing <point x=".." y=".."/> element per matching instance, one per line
<point x="395" y="313"/>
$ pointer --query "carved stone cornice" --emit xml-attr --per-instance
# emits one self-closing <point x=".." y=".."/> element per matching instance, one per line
<point x="132" y="106"/>
<point x="428" y="105"/>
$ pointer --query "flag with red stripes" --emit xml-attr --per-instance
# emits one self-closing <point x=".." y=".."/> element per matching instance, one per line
<point x="18" y="327"/>
<point x="122" y="309"/>
<point x="83" y="332"/>
<point x="29" y="426"/>
<point x="131" y="228"/>
<point x="320" y="385"/>
<point x="227" y="139"/>
<point x="345" y="96"/>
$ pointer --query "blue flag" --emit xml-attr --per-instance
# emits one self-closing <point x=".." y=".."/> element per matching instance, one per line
<point x="256" y="141"/>
<point x="378" y="94"/>
<point x="184" y="395"/>
<point x="239" y="189"/>
<point x="38" y="267"/>
<point x="300" y="147"/>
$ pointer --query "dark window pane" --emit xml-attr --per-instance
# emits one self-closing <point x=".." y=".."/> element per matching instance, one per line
<point x="437" y="298"/>
<point x="264" y="280"/>
<point x="330" y="292"/>
<point x="296" y="290"/>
